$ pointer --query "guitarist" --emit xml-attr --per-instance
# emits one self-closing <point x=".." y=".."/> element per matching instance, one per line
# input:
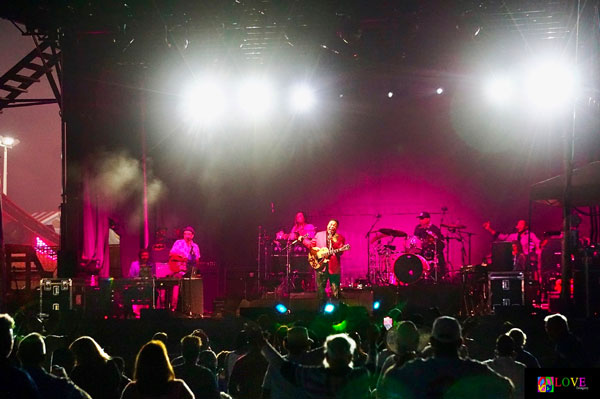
<point x="186" y="253"/>
<point x="330" y="239"/>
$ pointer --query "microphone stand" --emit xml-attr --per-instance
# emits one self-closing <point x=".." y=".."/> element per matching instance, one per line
<point x="368" y="238"/>
<point x="288" y="265"/>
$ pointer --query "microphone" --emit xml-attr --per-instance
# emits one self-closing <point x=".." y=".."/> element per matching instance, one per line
<point x="378" y="216"/>
<point x="444" y="209"/>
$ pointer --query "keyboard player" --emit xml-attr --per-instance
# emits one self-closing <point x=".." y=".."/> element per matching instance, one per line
<point x="143" y="267"/>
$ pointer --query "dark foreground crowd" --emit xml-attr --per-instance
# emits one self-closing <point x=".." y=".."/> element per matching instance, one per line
<point x="286" y="363"/>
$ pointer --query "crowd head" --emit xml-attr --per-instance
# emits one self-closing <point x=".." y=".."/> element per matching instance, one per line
<point x="339" y="350"/>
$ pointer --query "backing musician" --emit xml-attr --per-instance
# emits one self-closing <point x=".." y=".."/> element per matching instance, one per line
<point x="432" y="241"/>
<point x="528" y="241"/>
<point x="331" y="271"/>
<point x="301" y="228"/>
<point x="142" y="267"/>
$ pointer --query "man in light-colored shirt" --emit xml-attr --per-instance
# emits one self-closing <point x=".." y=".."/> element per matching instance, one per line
<point x="184" y="257"/>
<point x="186" y="251"/>
<point x="142" y="267"/>
<point x="522" y="235"/>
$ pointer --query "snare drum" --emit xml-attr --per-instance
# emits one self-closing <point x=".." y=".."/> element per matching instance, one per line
<point x="410" y="268"/>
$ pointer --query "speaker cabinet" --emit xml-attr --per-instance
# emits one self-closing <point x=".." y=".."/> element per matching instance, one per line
<point x="502" y="259"/>
<point x="192" y="296"/>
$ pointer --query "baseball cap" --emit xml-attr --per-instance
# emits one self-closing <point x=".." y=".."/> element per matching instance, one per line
<point x="190" y="229"/>
<point x="424" y="215"/>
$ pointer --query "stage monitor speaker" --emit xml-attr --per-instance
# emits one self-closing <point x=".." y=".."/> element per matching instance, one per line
<point x="192" y="296"/>
<point x="362" y="298"/>
<point x="304" y="301"/>
<point x="159" y="315"/>
<point x="502" y="259"/>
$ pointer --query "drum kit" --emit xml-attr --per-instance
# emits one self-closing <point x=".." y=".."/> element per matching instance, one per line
<point x="289" y="264"/>
<point x="405" y="263"/>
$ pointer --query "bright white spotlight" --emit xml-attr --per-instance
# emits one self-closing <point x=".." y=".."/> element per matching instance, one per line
<point x="204" y="102"/>
<point x="550" y="85"/>
<point x="390" y="94"/>
<point x="499" y="90"/>
<point x="439" y="90"/>
<point x="256" y="98"/>
<point x="302" y="99"/>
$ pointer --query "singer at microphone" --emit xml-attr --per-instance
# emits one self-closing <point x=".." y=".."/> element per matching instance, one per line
<point x="186" y="252"/>
<point x="332" y="240"/>
<point x="528" y="240"/>
<point x="184" y="257"/>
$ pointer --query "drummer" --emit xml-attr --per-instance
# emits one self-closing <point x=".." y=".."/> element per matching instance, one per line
<point x="300" y="229"/>
<point x="432" y="242"/>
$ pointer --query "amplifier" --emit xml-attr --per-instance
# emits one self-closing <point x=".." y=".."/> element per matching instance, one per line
<point x="55" y="294"/>
<point x="506" y="289"/>
<point x="191" y="296"/>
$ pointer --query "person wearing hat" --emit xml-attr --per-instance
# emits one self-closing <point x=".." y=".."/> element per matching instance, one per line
<point x="432" y="241"/>
<point x="445" y="374"/>
<point x="296" y="343"/>
<point x="184" y="257"/>
<point x="403" y="342"/>
<point x="186" y="252"/>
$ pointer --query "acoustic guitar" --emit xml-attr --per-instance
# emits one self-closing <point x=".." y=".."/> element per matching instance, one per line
<point x="318" y="257"/>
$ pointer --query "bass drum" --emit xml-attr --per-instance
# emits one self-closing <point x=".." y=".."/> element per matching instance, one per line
<point x="410" y="268"/>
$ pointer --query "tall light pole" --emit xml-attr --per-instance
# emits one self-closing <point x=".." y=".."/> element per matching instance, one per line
<point x="6" y="142"/>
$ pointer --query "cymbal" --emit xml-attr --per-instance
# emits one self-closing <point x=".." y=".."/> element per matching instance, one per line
<point x="454" y="226"/>
<point x="393" y="233"/>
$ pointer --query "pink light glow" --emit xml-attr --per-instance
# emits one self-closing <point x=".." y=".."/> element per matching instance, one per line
<point x="41" y="248"/>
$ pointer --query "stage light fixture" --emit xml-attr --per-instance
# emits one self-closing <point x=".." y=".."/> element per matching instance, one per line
<point x="329" y="308"/>
<point x="376" y="305"/>
<point x="550" y="85"/>
<point x="302" y="98"/>
<point x="204" y="102"/>
<point x="499" y="89"/>
<point x="390" y="94"/>
<point x="256" y="98"/>
<point x="440" y="90"/>
<point x="281" y="308"/>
